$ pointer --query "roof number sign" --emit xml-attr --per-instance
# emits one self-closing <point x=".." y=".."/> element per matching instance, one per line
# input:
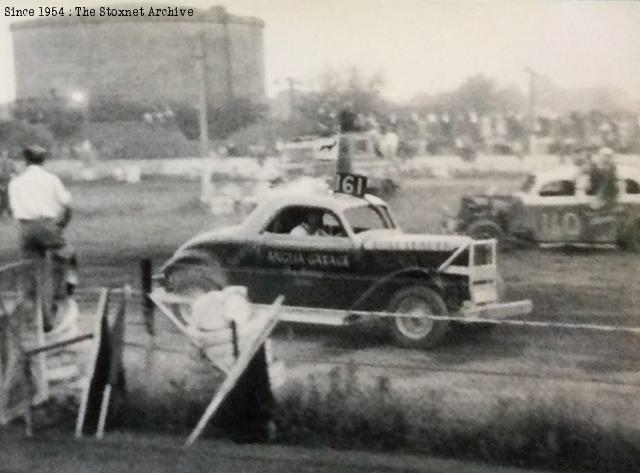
<point x="352" y="184"/>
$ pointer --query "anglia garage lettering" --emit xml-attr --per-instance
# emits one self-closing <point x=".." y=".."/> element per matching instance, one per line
<point x="310" y="260"/>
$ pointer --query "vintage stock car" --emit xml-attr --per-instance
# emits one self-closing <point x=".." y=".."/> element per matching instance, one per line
<point x="552" y="208"/>
<point x="358" y="264"/>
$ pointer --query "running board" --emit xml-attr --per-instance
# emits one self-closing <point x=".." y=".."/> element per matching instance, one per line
<point x="313" y="316"/>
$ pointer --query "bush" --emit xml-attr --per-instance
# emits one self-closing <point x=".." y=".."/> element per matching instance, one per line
<point x="223" y="120"/>
<point x="14" y="135"/>
<point x="66" y="123"/>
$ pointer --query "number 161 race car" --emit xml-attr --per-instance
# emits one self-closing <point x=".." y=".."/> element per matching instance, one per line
<point x="338" y="257"/>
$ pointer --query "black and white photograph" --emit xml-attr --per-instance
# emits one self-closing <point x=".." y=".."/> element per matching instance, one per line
<point x="320" y="236"/>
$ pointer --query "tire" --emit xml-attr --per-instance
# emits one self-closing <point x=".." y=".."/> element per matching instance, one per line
<point x="194" y="281"/>
<point x="412" y="333"/>
<point x="631" y="240"/>
<point x="485" y="229"/>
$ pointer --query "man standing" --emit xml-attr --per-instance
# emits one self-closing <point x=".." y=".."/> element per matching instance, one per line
<point x="389" y="142"/>
<point x="388" y="146"/>
<point x="41" y="205"/>
<point x="348" y="124"/>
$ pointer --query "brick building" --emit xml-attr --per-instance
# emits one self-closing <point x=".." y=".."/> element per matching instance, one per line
<point x="148" y="60"/>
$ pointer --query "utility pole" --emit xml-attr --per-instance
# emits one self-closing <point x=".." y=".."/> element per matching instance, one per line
<point x="531" y="113"/>
<point x="205" y="178"/>
<point x="293" y="106"/>
<point x="293" y="95"/>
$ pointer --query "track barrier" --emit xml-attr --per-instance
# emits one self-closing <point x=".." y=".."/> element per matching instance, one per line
<point x="232" y="336"/>
<point x="38" y="365"/>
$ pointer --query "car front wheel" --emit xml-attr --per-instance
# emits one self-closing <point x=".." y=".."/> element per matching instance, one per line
<point x="419" y="331"/>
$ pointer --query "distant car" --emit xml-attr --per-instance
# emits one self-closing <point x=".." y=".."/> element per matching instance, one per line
<point x="318" y="157"/>
<point x="361" y="261"/>
<point x="552" y="208"/>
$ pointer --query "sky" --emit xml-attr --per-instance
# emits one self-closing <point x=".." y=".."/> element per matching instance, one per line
<point x="422" y="46"/>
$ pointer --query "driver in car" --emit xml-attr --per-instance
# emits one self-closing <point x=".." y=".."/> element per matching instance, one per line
<point x="311" y="225"/>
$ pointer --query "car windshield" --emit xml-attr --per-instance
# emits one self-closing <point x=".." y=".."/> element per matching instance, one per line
<point x="368" y="217"/>
<point x="528" y="183"/>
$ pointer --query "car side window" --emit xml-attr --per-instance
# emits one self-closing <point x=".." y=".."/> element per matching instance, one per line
<point x="285" y="220"/>
<point x="560" y="188"/>
<point x="291" y="220"/>
<point x="332" y="225"/>
<point x="631" y="187"/>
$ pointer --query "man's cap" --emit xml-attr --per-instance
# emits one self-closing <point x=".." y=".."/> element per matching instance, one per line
<point x="34" y="154"/>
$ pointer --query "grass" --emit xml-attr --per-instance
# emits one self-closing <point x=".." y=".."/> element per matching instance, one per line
<point x="532" y="432"/>
<point x="346" y="416"/>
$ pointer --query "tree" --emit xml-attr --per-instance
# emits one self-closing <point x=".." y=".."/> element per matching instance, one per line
<point x="223" y="120"/>
<point x="333" y="91"/>
<point x="478" y="94"/>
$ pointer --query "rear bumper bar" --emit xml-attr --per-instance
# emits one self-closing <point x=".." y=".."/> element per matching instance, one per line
<point x="498" y="310"/>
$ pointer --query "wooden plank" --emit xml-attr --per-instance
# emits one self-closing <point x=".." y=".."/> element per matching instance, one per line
<point x="16" y="265"/>
<point x="101" y="312"/>
<point x="179" y="325"/>
<point x="236" y="371"/>
<point x="43" y="281"/>
<point x="61" y="344"/>
<point x="104" y="408"/>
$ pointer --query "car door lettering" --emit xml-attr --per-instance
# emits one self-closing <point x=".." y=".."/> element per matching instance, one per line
<point x="328" y="260"/>
<point x="312" y="260"/>
<point x="559" y="223"/>
<point x="285" y="257"/>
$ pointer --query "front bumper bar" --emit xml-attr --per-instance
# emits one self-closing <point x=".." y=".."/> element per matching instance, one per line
<point x="498" y="311"/>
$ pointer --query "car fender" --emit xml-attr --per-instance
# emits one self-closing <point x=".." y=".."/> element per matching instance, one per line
<point x="384" y="285"/>
<point x="189" y="256"/>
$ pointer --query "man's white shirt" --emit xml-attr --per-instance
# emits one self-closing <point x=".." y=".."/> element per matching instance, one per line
<point x="389" y="144"/>
<point x="36" y="193"/>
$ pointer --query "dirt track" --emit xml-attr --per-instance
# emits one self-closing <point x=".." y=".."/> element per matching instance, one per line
<point x="116" y="224"/>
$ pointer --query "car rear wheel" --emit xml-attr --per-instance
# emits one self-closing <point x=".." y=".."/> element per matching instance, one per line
<point x="195" y="281"/>
<point x="413" y="332"/>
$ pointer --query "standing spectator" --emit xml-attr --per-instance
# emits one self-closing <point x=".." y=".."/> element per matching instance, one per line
<point x="41" y="204"/>
<point x="347" y="118"/>
<point x="608" y="186"/>
<point x="388" y="143"/>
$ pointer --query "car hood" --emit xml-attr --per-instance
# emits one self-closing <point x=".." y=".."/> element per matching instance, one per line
<point x="397" y="241"/>
<point x="211" y="236"/>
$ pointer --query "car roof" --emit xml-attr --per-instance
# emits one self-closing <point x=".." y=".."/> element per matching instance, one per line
<point x="557" y="173"/>
<point x="334" y="201"/>
<point x="571" y="171"/>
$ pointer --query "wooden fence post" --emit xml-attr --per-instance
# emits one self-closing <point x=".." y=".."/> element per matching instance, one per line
<point x="146" y="271"/>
